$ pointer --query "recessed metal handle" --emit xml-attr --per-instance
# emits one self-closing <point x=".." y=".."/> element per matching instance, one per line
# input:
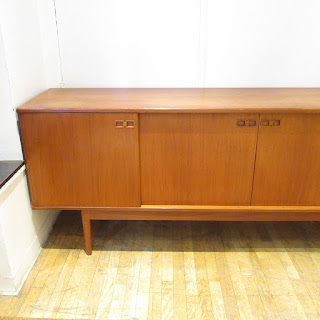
<point x="275" y="123"/>
<point x="241" y="123"/>
<point x="270" y="123"/>
<point x="251" y="123"/>
<point x="120" y="124"/>
<point x="130" y="124"/>
<point x="246" y="123"/>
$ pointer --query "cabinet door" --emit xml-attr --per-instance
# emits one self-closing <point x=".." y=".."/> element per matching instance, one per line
<point x="81" y="160"/>
<point x="197" y="159"/>
<point x="287" y="171"/>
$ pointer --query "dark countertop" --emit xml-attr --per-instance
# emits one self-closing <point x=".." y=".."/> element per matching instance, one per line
<point x="8" y="169"/>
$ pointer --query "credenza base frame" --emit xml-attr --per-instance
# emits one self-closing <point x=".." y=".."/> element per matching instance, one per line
<point x="197" y="213"/>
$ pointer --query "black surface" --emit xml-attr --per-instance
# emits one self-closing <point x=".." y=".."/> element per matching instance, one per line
<point x="8" y="169"/>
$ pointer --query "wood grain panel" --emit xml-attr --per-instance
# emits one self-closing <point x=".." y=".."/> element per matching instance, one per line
<point x="81" y="159"/>
<point x="196" y="159"/>
<point x="214" y="215"/>
<point x="288" y="161"/>
<point x="183" y="100"/>
<point x="199" y="208"/>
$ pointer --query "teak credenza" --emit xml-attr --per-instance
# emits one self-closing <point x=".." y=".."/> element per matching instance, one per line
<point x="174" y="154"/>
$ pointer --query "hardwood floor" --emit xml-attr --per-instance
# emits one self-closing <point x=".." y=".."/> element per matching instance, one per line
<point x="174" y="270"/>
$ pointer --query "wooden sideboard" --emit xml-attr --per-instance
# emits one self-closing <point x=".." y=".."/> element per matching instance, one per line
<point x="174" y="154"/>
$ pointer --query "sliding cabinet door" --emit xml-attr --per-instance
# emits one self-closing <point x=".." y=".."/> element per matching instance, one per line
<point x="197" y="159"/>
<point x="82" y="160"/>
<point x="288" y="161"/>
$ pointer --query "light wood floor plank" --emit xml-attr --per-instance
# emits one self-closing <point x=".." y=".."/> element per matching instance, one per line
<point x="179" y="285"/>
<point x="41" y="281"/>
<point x="193" y="303"/>
<point x="203" y="287"/>
<point x="167" y="302"/>
<point x="142" y="302"/>
<point x="155" y="296"/>
<point x="133" y="247"/>
<point x="174" y="270"/>
<point x="111" y="274"/>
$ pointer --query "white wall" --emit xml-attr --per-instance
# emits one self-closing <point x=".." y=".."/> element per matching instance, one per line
<point x="263" y="43"/>
<point x="9" y="138"/>
<point x="186" y="43"/>
<point x="23" y="48"/>
<point x="129" y="43"/>
<point x="50" y="45"/>
<point x="22" y="76"/>
<point x="22" y="73"/>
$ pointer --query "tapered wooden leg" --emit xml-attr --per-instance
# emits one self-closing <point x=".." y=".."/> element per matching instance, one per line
<point x="86" y="224"/>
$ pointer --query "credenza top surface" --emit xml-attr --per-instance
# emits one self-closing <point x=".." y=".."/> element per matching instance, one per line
<point x="166" y="100"/>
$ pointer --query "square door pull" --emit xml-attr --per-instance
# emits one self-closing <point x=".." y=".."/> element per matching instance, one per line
<point x="130" y="124"/>
<point x="120" y="124"/>
<point x="247" y="123"/>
